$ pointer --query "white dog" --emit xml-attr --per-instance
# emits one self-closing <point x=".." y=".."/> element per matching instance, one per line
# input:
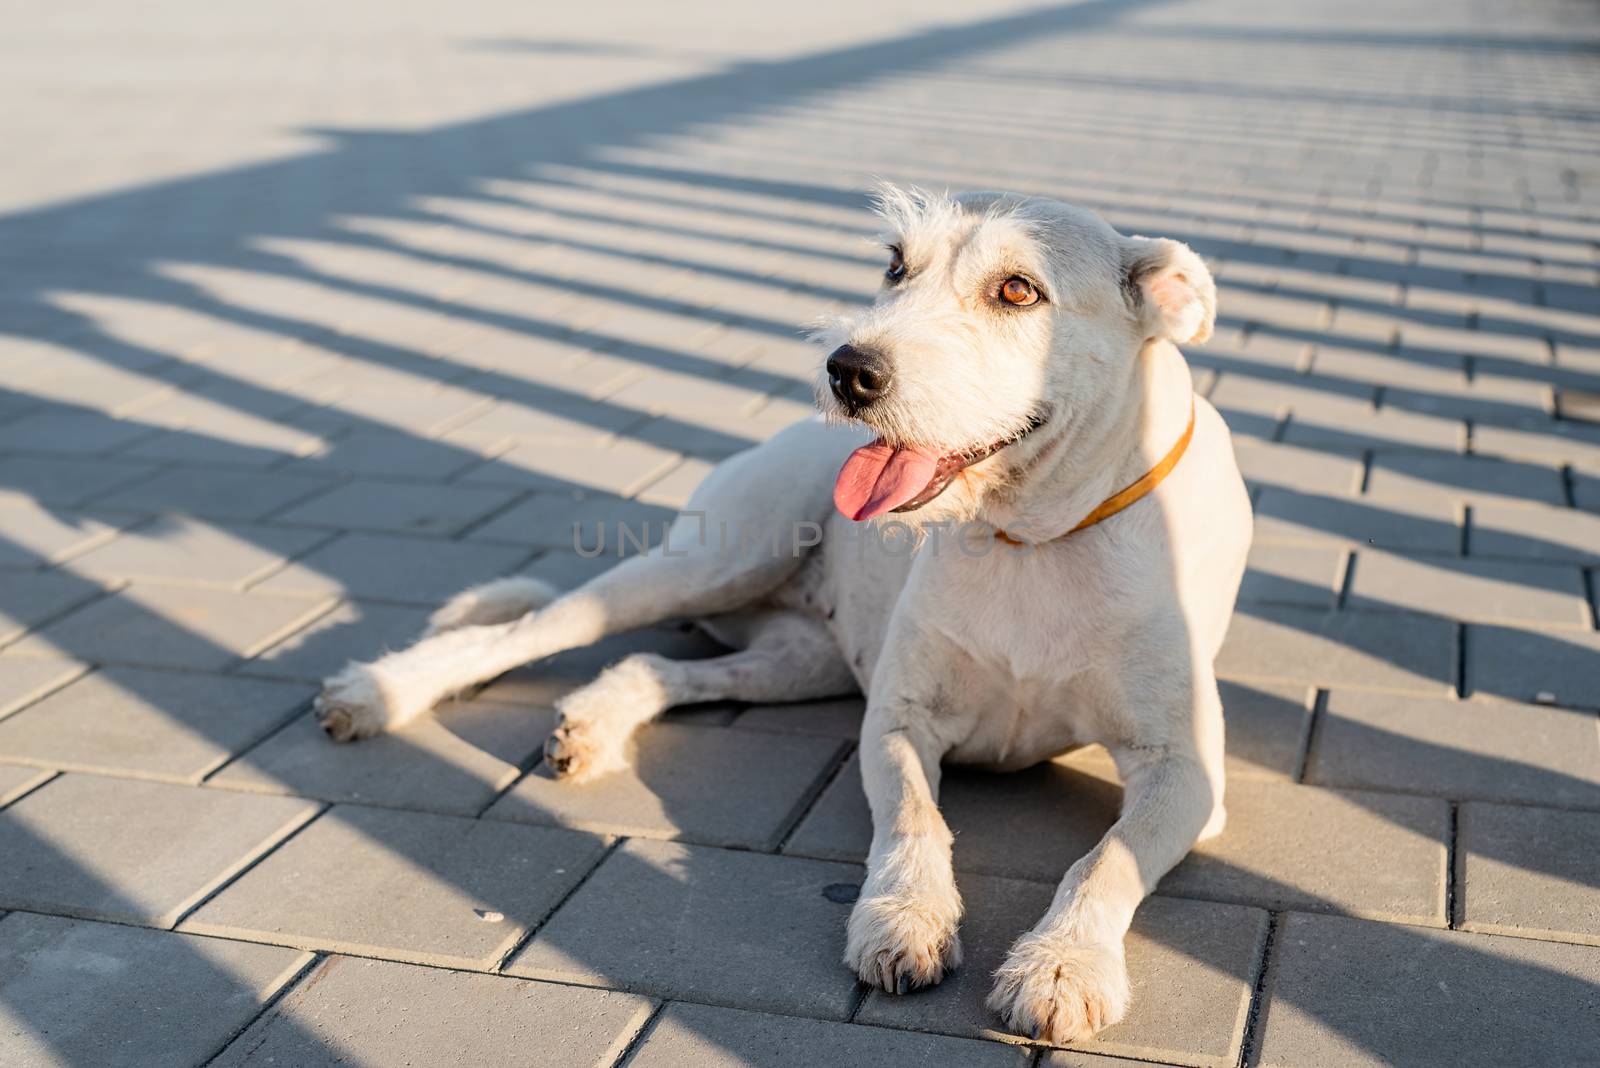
<point x="1017" y="375"/>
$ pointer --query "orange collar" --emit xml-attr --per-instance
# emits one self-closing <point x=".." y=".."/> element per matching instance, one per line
<point x="1131" y="493"/>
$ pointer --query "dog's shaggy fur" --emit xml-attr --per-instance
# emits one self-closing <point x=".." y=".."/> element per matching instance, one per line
<point x="994" y="652"/>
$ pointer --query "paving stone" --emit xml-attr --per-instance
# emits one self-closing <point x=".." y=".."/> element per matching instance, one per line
<point x="1357" y="428"/>
<point x="1336" y="983"/>
<point x="352" y="1011"/>
<point x="171" y="626"/>
<point x="763" y="783"/>
<point x="1297" y="847"/>
<point x="75" y="992"/>
<point x="1491" y="750"/>
<point x="16" y="781"/>
<point x="421" y="406"/>
<point x="399" y="507"/>
<point x="1475" y="480"/>
<point x="1487" y="398"/>
<point x="1586" y="487"/>
<point x="1281" y="394"/>
<point x="1552" y="441"/>
<point x="1059" y="810"/>
<point x="555" y="521"/>
<point x="179" y="549"/>
<point x="381" y="452"/>
<point x="1578" y="404"/>
<point x="716" y="437"/>
<point x="1304" y="470"/>
<point x="221" y="438"/>
<point x="673" y="489"/>
<point x="453" y="761"/>
<point x="216" y="494"/>
<point x="68" y="432"/>
<point x="1062" y="1058"/>
<point x="1531" y="872"/>
<point x="704" y="924"/>
<point x="1267" y="725"/>
<point x="1490" y="591"/>
<point x="1419" y="370"/>
<point x="403" y="885"/>
<point x="1191" y="964"/>
<point x="552" y="416"/>
<point x="839" y="718"/>
<point x="64" y="480"/>
<point x="687" y="395"/>
<point x="728" y="1038"/>
<point x="383" y="568"/>
<point x="1293" y="574"/>
<point x="34" y="535"/>
<point x="24" y="680"/>
<point x="1529" y="665"/>
<point x="619" y="468"/>
<point x="1357" y="649"/>
<point x="1425" y="336"/>
<point x="568" y="570"/>
<point x="1535" y="533"/>
<point x="349" y="632"/>
<point x="156" y="724"/>
<point x="1289" y="517"/>
<point x="1267" y="728"/>
<point x="132" y="852"/>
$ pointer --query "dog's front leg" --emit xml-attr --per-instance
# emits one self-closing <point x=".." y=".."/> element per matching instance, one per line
<point x="902" y="932"/>
<point x="1066" y="979"/>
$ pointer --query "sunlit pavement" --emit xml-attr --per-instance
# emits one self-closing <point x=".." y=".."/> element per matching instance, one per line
<point x="313" y="314"/>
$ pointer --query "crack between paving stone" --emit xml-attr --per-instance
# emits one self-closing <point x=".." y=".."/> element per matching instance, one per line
<point x="1453" y="858"/>
<point x="271" y="1004"/>
<point x="1319" y="710"/>
<point x="642" y="1035"/>
<point x="534" y="928"/>
<point x="249" y="866"/>
<point x="1250" y="1045"/>
<point x="809" y="801"/>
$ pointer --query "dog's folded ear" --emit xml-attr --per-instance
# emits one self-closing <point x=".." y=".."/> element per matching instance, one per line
<point x="1170" y="289"/>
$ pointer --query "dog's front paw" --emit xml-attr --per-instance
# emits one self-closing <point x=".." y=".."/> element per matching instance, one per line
<point x="579" y="750"/>
<point x="355" y="704"/>
<point x="1060" y="991"/>
<point x="903" y="941"/>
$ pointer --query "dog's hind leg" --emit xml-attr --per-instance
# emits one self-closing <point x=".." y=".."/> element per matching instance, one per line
<point x="747" y="528"/>
<point x="790" y="658"/>
<point x="367" y="699"/>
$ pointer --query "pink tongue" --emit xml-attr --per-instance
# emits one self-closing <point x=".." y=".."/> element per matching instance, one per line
<point x="878" y="478"/>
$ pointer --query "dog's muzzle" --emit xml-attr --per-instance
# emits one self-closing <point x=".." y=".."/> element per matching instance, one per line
<point x="858" y="377"/>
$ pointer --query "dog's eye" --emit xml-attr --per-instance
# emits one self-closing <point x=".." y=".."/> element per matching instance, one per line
<point x="897" y="265"/>
<point x="1019" y="292"/>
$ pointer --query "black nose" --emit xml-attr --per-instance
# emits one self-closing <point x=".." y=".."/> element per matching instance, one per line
<point x="858" y="377"/>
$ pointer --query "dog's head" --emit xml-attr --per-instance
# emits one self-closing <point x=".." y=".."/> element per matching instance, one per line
<point x="1002" y="320"/>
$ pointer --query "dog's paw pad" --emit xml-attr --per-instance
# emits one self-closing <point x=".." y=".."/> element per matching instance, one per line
<point x="351" y="705"/>
<point x="578" y="751"/>
<point x="1059" y="991"/>
<point x="899" y="945"/>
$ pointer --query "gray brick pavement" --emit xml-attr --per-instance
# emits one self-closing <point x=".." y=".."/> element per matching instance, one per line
<point x="402" y="885"/>
<point x="282" y="367"/>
